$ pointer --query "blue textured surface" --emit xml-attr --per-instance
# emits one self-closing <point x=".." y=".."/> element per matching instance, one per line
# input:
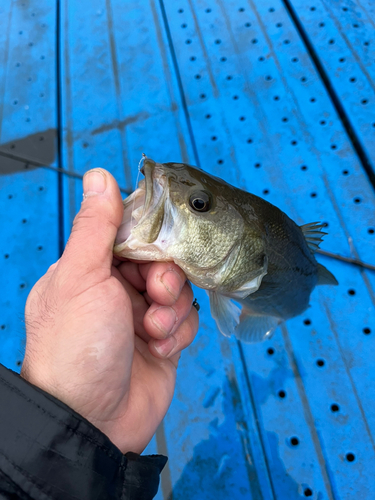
<point x="255" y="93"/>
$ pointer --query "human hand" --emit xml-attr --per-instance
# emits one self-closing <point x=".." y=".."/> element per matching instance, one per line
<point x="105" y="339"/>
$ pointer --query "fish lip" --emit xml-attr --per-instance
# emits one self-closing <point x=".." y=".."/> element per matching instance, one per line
<point x="153" y="187"/>
<point x="147" y="169"/>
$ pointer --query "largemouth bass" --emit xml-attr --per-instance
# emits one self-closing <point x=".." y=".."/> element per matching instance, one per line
<point x="257" y="265"/>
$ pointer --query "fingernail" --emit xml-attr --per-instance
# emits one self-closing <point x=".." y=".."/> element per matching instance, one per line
<point x="165" y="347"/>
<point x="172" y="282"/>
<point x="94" y="182"/>
<point x="164" y="318"/>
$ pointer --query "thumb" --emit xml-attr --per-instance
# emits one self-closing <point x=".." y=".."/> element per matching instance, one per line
<point x="90" y="245"/>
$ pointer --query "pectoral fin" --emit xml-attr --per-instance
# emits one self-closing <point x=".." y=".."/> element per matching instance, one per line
<point x="252" y="285"/>
<point x="231" y="319"/>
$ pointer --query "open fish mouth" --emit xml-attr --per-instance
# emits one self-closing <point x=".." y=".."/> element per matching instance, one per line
<point x="141" y="203"/>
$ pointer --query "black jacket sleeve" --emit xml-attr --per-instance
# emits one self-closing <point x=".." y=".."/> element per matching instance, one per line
<point x="48" y="451"/>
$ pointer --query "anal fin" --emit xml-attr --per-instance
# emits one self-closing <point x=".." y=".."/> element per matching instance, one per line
<point x="256" y="328"/>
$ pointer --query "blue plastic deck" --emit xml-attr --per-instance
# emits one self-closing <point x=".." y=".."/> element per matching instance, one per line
<point x="28" y="197"/>
<point x="254" y="93"/>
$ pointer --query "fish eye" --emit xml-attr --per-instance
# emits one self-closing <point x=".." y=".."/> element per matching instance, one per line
<point x="200" y="201"/>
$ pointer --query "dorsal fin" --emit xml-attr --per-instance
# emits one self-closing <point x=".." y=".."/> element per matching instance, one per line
<point x="313" y="234"/>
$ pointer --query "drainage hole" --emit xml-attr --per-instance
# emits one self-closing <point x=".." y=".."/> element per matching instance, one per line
<point x="320" y="362"/>
<point x="367" y="330"/>
<point x="335" y="408"/>
<point x="270" y="351"/>
<point x="294" y="441"/>
<point x="351" y="291"/>
<point x="350" y="457"/>
<point x="308" y="492"/>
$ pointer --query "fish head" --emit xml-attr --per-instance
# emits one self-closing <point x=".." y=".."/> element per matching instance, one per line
<point x="180" y="213"/>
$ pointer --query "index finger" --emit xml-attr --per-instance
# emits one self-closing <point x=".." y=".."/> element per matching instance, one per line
<point x="164" y="281"/>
